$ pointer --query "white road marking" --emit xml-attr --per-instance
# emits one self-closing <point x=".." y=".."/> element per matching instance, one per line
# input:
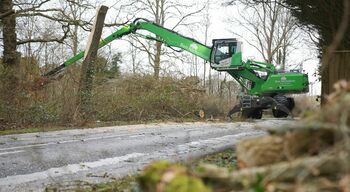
<point x="68" y="169"/>
<point x="11" y="152"/>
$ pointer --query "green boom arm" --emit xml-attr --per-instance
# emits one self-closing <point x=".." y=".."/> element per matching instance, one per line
<point x="172" y="39"/>
<point x="168" y="37"/>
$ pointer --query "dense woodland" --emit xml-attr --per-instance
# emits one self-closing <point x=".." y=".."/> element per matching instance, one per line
<point x="38" y="35"/>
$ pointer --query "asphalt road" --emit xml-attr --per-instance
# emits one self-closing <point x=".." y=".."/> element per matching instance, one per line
<point x="30" y="162"/>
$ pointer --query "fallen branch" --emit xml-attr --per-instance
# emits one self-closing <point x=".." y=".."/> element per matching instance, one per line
<point x="284" y="171"/>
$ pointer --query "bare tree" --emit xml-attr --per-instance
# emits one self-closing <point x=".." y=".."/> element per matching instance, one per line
<point x="160" y="12"/>
<point x="134" y="59"/>
<point x="206" y="23"/>
<point x="74" y="11"/>
<point x="273" y="28"/>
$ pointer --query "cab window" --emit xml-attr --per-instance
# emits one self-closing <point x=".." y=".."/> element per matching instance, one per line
<point x="224" y="51"/>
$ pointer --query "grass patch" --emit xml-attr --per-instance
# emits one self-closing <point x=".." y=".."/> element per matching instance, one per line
<point x="125" y="184"/>
<point x="29" y="130"/>
<point x="36" y="129"/>
<point x="226" y="159"/>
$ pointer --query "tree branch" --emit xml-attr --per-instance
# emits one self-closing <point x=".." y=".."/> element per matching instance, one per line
<point x="65" y="29"/>
<point x="6" y="14"/>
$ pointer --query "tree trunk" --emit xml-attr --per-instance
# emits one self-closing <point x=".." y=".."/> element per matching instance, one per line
<point x="157" y="60"/>
<point x="210" y="83"/>
<point x="159" y="19"/>
<point x="337" y="69"/>
<point x="205" y="42"/>
<point x="133" y="59"/>
<point x="88" y="67"/>
<point x="75" y="40"/>
<point x="325" y="85"/>
<point x="10" y="57"/>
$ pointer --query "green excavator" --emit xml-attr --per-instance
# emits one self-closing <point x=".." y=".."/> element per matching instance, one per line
<point x="263" y="86"/>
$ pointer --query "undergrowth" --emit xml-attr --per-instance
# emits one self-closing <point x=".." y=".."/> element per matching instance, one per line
<point x="127" y="98"/>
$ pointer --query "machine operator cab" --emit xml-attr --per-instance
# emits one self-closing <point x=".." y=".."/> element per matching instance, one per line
<point x="226" y="53"/>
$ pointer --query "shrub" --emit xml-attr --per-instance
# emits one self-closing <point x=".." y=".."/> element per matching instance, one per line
<point x="133" y="98"/>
